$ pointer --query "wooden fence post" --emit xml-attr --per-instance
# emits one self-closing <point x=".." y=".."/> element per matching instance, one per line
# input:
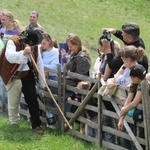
<point x="99" y="113"/>
<point x="145" y="85"/>
<point x="81" y="107"/>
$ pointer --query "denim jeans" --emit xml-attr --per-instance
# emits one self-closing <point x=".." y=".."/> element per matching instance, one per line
<point x="53" y="90"/>
<point x="3" y="94"/>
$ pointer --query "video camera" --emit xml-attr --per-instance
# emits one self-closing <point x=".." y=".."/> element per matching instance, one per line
<point x="107" y="35"/>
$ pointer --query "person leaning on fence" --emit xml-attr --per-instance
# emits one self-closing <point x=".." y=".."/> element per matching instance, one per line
<point x="79" y="62"/>
<point x="105" y="75"/>
<point x="138" y="73"/>
<point x="96" y="66"/>
<point x="78" y="97"/>
<point x="33" y="25"/>
<point x="130" y="36"/>
<point x="115" y="48"/>
<point x="130" y="56"/>
<point x="15" y="66"/>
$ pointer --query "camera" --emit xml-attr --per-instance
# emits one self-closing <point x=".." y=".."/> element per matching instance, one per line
<point x="107" y="35"/>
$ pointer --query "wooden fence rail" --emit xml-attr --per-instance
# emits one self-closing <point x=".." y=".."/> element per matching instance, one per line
<point x="99" y="126"/>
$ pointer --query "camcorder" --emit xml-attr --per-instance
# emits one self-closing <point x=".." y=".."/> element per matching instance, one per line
<point x="107" y="35"/>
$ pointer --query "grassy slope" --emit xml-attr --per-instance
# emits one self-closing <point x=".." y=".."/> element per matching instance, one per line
<point x="85" y="18"/>
<point x="59" y="18"/>
<point x="23" y="138"/>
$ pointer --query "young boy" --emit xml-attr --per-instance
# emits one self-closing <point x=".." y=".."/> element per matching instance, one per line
<point x="137" y="74"/>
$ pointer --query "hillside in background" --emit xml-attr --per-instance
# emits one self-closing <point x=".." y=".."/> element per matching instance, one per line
<point x="85" y="18"/>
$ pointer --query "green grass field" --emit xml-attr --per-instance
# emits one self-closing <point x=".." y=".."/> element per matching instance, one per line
<point x="21" y="137"/>
<point x="85" y="18"/>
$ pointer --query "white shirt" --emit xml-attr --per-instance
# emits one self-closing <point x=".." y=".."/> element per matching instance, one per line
<point x="96" y="66"/>
<point x="17" y="57"/>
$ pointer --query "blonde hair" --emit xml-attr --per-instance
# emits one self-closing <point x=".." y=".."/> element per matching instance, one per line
<point x="116" y="48"/>
<point x="84" y="85"/>
<point x="133" y="52"/>
<point x="75" y="40"/>
<point x="55" y="42"/>
<point x="15" y="22"/>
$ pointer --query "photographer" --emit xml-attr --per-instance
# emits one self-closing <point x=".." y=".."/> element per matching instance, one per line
<point x="114" y="48"/>
<point x="107" y="73"/>
<point x="130" y="36"/>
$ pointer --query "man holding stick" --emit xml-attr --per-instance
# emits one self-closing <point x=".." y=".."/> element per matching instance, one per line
<point x="21" y="60"/>
<point x="15" y="66"/>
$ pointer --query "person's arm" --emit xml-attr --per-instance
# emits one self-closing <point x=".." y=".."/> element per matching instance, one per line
<point x="96" y="67"/>
<point x="122" y="116"/>
<point x="133" y="104"/>
<point x="15" y="57"/>
<point x="111" y="81"/>
<point x="40" y="66"/>
<point x="120" y="123"/>
<point x="110" y="30"/>
<point x="53" y="61"/>
<point x="129" y="99"/>
<point x="145" y="63"/>
<point x="63" y="56"/>
<point x="83" y="65"/>
<point x="119" y="72"/>
<point x="118" y="34"/>
<point x="113" y="63"/>
<point x="107" y="73"/>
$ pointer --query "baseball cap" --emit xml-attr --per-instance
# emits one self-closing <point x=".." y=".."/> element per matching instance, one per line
<point x="138" y="71"/>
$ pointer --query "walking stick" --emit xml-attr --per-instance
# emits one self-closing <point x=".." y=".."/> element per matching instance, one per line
<point x="50" y="92"/>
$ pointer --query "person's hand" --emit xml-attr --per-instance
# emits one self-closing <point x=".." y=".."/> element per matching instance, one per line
<point x="110" y="83"/>
<point x="110" y="30"/>
<point x="46" y="74"/>
<point x="96" y="74"/>
<point x="106" y="45"/>
<point x="27" y="50"/>
<point x="120" y="124"/>
<point x="63" y="53"/>
<point x="69" y="99"/>
<point x="76" y="99"/>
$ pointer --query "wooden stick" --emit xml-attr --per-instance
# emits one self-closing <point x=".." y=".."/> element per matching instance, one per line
<point x="50" y="92"/>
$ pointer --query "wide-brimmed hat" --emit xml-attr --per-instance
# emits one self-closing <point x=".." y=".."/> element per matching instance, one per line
<point x="31" y="37"/>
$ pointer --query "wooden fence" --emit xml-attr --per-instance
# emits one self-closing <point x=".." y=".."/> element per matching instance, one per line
<point x="99" y="126"/>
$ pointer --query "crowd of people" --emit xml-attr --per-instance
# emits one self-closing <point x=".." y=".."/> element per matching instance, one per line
<point x="126" y="66"/>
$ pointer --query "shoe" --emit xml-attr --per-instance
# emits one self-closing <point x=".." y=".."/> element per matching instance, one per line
<point x="38" y="130"/>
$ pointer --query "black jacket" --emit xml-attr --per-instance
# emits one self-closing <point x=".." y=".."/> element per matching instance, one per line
<point x="116" y="63"/>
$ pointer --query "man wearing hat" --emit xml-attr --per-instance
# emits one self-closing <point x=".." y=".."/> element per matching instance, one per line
<point x="16" y="67"/>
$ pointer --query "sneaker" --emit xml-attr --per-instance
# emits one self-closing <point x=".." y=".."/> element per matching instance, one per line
<point x="38" y="130"/>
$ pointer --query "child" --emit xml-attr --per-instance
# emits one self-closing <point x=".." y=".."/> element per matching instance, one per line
<point x="137" y="74"/>
<point x="78" y="97"/>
